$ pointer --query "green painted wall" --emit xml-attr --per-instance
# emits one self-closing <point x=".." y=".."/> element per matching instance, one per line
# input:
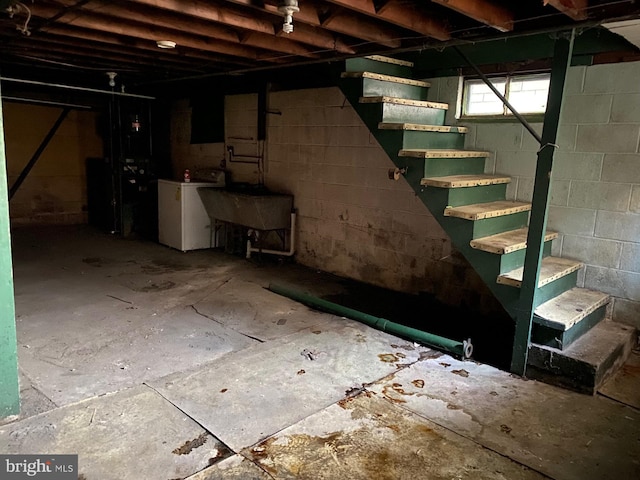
<point x="9" y="388"/>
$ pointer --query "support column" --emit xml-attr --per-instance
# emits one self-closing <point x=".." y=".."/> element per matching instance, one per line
<point x="9" y="388"/>
<point x="540" y="204"/>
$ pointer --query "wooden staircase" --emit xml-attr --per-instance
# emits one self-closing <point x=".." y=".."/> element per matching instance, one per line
<point x="489" y="230"/>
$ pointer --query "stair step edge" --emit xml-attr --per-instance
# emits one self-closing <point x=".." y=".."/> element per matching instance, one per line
<point x="552" y="269"/>
<point x="507" y="242"/>
<point x="394" y="61"/>
<point x="481" y="211"/>
<point x="386" y="78"/>
<point x="569" y="308"/>
<point x="404" y="101"/>
<point x="441" y="153"/>
<point x="422" y="128"/>
<point x="464" y="181"/>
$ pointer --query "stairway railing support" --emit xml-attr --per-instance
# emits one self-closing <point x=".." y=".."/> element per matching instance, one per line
<point x="540" y="204"/>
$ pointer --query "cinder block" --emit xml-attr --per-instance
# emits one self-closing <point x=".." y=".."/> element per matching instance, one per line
<point x="630" y="258"/>
<point x="499" y="136"/>
<point x="626" y="311"/>
<point x="574" y="80"/>
<point x="621" y="168"/>
<point x="613" y="78"/>
<point x="600" y="196"/>
<point x="626" y="108"/>
<point x="635" y="199"/>
<point x="611" y="138"/>
<point x="516" y="163"/>
<point x="574" y="221"/>
<point x="618" y="226"/>
<point x="577" y="166"/>
<point x="594" y="251"/>
<point x="581" y="109"/>
<point x="530" y="144"/>
<point x="614" y="282"/>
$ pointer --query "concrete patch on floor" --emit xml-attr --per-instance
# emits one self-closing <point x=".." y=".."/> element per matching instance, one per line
<point x="132" y="434"/>
<point x="83" y="357"/>
<point x="249" y="308"/>
<point x="365" y="437"/>
<point x="235" y="467"/>
<point x="249" y="395"/>
<point x="562" y="434"/>
<point x="624" y="386"/>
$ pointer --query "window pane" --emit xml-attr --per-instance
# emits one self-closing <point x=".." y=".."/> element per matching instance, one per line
<point x="480" y="100"/>
<point x="530" y="96"/>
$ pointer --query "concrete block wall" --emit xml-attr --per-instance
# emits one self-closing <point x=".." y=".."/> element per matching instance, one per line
<point x="353" y="220"/>
<point x="55" y="191"/>
<point x="595" y="195"/>
<point x="183" y="154"/>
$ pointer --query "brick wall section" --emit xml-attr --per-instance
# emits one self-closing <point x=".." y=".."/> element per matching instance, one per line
<point x="55" y="192"/>
<point x="353" y="220"/>
<point x="595" y="195"/>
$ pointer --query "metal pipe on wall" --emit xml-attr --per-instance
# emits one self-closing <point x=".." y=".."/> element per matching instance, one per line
<point x="73" y="87"/>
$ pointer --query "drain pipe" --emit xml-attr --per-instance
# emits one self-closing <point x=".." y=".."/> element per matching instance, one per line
<point x="284" y="253"/>
<point x="461" y="349"/>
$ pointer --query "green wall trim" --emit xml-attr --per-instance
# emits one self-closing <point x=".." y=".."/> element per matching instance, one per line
<point x="9" y="385"/>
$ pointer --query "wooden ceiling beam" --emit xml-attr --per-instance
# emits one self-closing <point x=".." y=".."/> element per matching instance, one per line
<point x="575" y="9"/>
<point x="483" y="11"/>
<point x="163" y="19"/>
<point x="360" y="27"/>
<point x="80" y="35"/>
<point x="395" y="12"/>
<point x="107" y="24"/>
<point x="317" y="37"/>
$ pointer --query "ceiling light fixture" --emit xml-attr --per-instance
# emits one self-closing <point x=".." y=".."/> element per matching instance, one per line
<point x="288" y="8"/>
<point x="165" y="44"/>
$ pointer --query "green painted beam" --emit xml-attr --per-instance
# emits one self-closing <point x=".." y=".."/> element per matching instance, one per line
<point x="540" y="205"/>
<point x="9" y="387"/>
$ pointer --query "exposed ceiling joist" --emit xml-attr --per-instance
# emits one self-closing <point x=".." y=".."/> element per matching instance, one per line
<point x="485" y="11"/>
<point x="576" y="9"/>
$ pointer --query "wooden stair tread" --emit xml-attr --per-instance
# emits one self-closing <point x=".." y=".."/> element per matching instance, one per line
<point x="567" y="309"/>
<point x="422" y="128"/>
<point x="552" y="268"/>
<point x="480" y="211"/>
<point x="440" y="153"/>
<point x="386" y="78"/>
<point x="393" y="61"/>
<point x="507" y="242"/>
<point x="404" y="101"/>
<point x="463" y="181"/>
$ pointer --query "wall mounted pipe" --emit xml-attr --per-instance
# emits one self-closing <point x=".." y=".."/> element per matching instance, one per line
<point x="461" y="349"/>
<point x="284" y="253"/>
<point x="73" y="87"/>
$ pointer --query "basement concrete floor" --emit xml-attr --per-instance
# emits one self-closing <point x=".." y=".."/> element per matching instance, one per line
<point x="155" y="364"/>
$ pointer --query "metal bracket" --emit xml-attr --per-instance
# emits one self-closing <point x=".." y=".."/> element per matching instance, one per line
<point x="394" y="173"/>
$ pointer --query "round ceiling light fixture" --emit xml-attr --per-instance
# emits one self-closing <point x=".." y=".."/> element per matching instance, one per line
<point x="165" y="44"/>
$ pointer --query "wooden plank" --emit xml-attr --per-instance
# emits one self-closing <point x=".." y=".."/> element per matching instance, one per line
<point x="575" y="9"/>
<point x="481" y="211"/>
<point x="568" y="308"/>
<point x="484" y="11"/>
<point x="507" y="242"/>
<point x="393" y="61"/>
<point x="422" y="128"/>
<point x="552" y="269"/>
<point x="441" y="153"/>
<point x="404" y="101"/>
<point x="386" y="78"/>
<point x="464" y="181"/>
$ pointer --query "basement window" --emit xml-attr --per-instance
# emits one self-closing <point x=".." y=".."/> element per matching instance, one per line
<point x="527" y="94"/>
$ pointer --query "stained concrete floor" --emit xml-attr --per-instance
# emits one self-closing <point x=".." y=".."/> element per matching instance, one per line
<point x="157" y="364"/>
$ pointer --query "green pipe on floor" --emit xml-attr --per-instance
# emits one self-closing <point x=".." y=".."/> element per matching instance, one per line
<point x="462" y="349"/>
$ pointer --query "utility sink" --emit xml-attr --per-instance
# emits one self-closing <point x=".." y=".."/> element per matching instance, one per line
<point x="257" y="209"/>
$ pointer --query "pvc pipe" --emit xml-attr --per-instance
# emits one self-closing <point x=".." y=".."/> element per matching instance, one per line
<point x="462" y="349"/>
<point x="284" y="253"/>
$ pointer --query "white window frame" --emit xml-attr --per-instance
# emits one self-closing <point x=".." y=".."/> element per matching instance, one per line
<point x="466" y="82"/>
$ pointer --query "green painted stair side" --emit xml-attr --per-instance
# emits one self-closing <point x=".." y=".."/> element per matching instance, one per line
<point x="561" y="339"/>
<point x="375" y="87"/>
<point x="368" y="64"/>
<point x="421" y="139"/>
<point x="377" y="110"/>
<point x="441" y="167"/>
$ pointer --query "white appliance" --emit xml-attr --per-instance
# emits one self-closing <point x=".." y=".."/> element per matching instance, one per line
<point x="183" y="222"/>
